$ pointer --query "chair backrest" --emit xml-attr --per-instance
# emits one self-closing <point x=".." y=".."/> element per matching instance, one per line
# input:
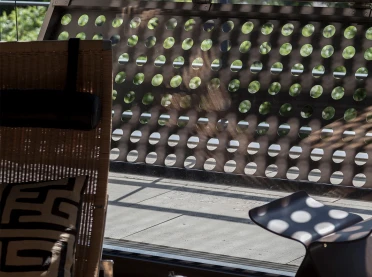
<point x="278" y="92"/>
<point x="39" y="154"/>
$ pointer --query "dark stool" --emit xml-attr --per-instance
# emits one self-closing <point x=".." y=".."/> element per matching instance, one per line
<point x="338" y="243"/>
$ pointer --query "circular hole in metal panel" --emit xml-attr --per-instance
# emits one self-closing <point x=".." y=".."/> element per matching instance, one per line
<point x="192" y="142"/>
<point x="359" y="180"/>
<point x="250" y="168"/>
<point x="163" y="119"/>
<point x="287" y="29"/>
<point x="189" y="25"/>
<point x="339" y="156"/>
<point x="314" y="175"/>
<point x="173" y="140"/>
<point x="317" y="154"/>
<point x="187" y="44"/>
<point x="284" y="129"/>
<point x="230" y="166"/>
<point x="210" y="164"/>
<point x="271" y="171"/>
<point x="338" y="93"/>
<point x="126" y="115"/>
<point x="135" y="136"/>
<point x="274" y="150"/>
<point x="151" y="158"/>
<point x="212" y="144"/>
<point x="253" y="148"/>
<point x="293" y="173"/>
<point x="153" y="23"/>
<point x="148" y="98"/>
<point x="208" y="26"/>
<point x="83" y="20"/>
<point x="132" y="156"/>
<point x="66" y="19"/>
<point x="189" y="162"/>
<point x="160" y="61"/>
<point x="129" y="97"/>
<point x="170" y="160"/>
<point x="361" y="158"/>
<point x="114" y="154"/>
<point x="337" y="178"/>
<point x="135" y="22"/>
<point x="232" y="146"/>
<point x="227" y="27"/>
<point x="117" y="134"/>
<point x="154" y="138"/>
<point x="247" y="27"/>
<point x="171" y="24"/>
<point x="145" y="118"/>
<point x="304" y="132"/>
<point x="295" y="152"/>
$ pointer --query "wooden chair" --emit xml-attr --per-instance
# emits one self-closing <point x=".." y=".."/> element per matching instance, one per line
<point x="38" y="154"/>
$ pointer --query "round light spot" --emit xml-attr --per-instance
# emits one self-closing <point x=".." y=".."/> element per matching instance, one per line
<point x="253" y="148"/>
<point x="273" y="150"/>
<point x="117" y="134"/>
<point x="312" y="203"/>
<point x="173" y="140"/>
<point x="361" y="158"/>
<point x="277" y="225"/>
<point x="63" y="35"/>
<point x="337" y="214"/>
<point x="301" y="216"/>
<point x="304" y="237"/>
<point x="324" y="228"/>
<point x="317" y="154"/>
<point x="295" y="152"/>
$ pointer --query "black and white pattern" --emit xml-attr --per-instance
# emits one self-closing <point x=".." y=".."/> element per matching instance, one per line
<point x="38" y="226"/>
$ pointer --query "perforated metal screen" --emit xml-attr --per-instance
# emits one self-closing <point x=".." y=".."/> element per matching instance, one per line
<point x="237" y="92"/>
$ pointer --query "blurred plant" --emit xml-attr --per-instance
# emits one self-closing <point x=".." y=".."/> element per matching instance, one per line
<point x="30" y="20"/>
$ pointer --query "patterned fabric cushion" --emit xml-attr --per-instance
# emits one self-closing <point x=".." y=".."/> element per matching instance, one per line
<point x="38" y="226"/>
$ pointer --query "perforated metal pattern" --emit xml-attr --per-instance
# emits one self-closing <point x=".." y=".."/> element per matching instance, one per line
<point x="277" y="98"/>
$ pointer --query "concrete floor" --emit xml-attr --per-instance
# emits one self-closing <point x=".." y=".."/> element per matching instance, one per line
<point x="201" y="217"/>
